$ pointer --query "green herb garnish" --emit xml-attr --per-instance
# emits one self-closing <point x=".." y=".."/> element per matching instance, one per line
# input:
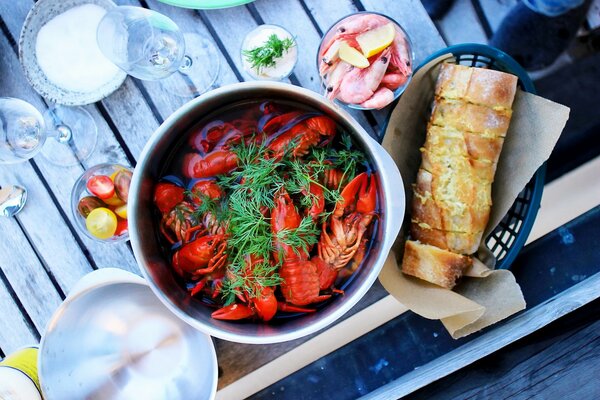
<point x="265" y="55"/>
<point x="245" y="210"/>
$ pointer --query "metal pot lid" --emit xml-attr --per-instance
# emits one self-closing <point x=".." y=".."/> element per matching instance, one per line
<point x="118" y="341"/>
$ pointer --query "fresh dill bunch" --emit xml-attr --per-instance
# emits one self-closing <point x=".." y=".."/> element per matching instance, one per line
<point x="264" y="56"/>
<point x="347" y="158"/>
<point x="301" y="238"/>
<point x="240" y="282"/>
<point x="216" y="207"/>
<point x="250" y="229"/>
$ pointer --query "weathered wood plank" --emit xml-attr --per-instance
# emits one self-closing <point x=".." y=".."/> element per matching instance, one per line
<point x="291" y="15"/>
<point x="231" y="25"/>
<point x="559" y="361"/>
<point x="131" y="115"/>
<point x="325" y="14"/>
<point x="45" y="227"/>
<point x="461" y="24"/>
<point x="411" y="15"/>
<point x="497" y="338"/>
<point x="16" y="331"/>
<point x="59" y="179"/>
<point x="26" y="274"/>
<point x="237" y="360"/>
<point x="189" y="21"/>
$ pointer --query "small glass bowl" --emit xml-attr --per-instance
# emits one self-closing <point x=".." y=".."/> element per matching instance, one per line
<point x="80" y="190"/>
<point x="331" y="31"/>
<point x="258" y="36"/>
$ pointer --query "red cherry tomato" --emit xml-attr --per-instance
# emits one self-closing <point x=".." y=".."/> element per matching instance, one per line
<point x="122" y="227"/>
<point x="167" y="195"/>
<point x="101" y="186"/>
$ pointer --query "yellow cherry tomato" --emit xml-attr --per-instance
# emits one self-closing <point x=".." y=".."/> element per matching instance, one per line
<point x="112" y="176"/>
<point x="101" y="223"/>
<point x="121" y="211"/>
<point x="114" y="201"/>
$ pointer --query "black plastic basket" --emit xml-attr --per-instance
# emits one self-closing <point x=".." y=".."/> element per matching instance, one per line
<point x="510" y="235"/>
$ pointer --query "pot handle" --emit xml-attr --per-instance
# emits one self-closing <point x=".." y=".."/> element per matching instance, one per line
<point x="393" y="189"/>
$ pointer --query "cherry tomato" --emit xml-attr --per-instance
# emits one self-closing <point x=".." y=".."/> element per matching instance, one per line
<point x="112" y="176"/>
<point x="89" y="203"/>
<point x="122" y="181"/>
<point x="114" y="201"/>
<point x="101" y="223"/>
<point x="167" y="195"/>
<point x="121" y="211"/>
<point x="101" y="186"/>
<point x="122" y="227"/>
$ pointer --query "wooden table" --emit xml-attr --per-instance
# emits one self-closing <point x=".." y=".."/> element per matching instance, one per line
<point x="42" y="254"/>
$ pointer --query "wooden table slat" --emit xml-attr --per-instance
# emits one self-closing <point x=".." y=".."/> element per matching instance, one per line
<point x="56" y="245"/>
<point x="16" y="331"/>
<point x="60" y="179"/>
<point x="38" y="266"/>
<point x="26" y="274"/>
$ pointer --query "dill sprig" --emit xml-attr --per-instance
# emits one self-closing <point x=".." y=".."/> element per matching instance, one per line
<point x="218" y="208"/>
<point x="301" y="238"/>
<point x="264" y="56"/>
<point x="251" y="190"/>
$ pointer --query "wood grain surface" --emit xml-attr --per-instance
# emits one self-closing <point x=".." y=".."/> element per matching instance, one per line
<point x="42" y="252"/>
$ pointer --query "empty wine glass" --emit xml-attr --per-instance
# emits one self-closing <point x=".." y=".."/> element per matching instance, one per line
<point x="149" y="46"/>
<point x="24" y="132"/>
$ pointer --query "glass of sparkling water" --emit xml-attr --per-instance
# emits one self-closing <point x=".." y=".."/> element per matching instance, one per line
<point x="150" y="46"/>
<point x="65" y="135"/>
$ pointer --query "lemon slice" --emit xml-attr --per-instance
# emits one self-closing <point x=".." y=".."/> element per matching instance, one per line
<point x="375" y="40"/>
<point x="352" y="56"/>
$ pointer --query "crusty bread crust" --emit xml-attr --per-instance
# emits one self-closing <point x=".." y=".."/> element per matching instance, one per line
<point x="453" y="191"/>
<point x="481" y="86"/>
<point x="434" y="265"/>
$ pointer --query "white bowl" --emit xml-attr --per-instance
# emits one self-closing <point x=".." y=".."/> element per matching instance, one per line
<point x="42" y="12"/>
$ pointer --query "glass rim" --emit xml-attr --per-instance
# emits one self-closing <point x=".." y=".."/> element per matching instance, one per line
<point x="76" y="195"/>
<point x="411" y="54"/>
<point x="262" y="26"/>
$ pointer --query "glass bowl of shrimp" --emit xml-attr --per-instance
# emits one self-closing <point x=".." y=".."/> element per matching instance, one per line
<point x="365" y="61"/>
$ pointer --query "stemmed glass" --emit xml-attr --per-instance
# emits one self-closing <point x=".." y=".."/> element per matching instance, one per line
<point x="150" y="46"/>
<point x="72" y="133"/>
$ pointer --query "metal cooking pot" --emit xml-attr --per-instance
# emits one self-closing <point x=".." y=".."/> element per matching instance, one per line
<point x="155" y="266"/>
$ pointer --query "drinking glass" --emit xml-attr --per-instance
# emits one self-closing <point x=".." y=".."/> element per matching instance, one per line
<point x="150" y="46"/>
<point x="24" y="131"/>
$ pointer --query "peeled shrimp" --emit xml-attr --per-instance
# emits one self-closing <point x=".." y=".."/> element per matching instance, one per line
<point x="381" y="98"/>
<point x="393" y="81"/>
<point x="358" y="85"/>
<point x="353" y="26"/>
<point x="399" y="56"/>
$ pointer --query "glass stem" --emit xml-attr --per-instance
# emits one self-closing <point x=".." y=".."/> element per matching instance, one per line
<point x="62" y="133"/>
<point x="186" y="64"/>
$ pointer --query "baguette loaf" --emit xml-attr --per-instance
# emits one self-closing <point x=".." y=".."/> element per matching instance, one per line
<point x="452" y="194"/>
<point x="440" y="267"/>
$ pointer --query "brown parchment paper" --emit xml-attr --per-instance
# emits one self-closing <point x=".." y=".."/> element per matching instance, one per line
<point x="484" y="296"/>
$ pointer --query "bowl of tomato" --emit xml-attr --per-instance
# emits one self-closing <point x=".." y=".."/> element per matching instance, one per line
<point x="99" y="202"/>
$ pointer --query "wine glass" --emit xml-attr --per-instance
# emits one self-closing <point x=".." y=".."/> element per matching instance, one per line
<point x="24" y="130"/>
<point x="150" y="46"/>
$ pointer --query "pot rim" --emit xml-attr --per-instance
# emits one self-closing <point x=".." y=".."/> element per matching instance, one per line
<point x="392" y="209"/>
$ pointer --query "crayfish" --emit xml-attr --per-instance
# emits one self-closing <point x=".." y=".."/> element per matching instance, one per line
<point x="271" y="213"/>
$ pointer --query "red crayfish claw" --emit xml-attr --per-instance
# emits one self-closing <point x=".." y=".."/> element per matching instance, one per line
<point x="360" y="195"/>
<point x="215" y="163"/>
<point x="264" y="306"/>
<point x="203" y="255"/>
